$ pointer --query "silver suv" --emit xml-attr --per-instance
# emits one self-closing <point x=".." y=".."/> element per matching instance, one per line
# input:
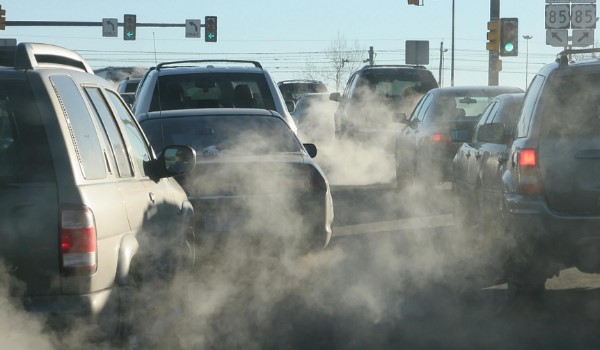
<point x="84" y="201"/>
<point x="202" y="84"/>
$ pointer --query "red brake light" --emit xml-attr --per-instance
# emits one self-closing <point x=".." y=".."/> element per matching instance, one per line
<point x="527" y="157"/>
<point x="528" y="172"/>
<point x="78" y="249"/>
<point x="437" y="137"/>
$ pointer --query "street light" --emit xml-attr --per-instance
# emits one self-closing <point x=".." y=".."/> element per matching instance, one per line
<point x="527" y="37"/>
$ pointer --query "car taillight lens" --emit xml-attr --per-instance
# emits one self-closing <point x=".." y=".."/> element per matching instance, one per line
<point x="528" y="172"/>
<point x="437" y="138"/>
<point x="78" y="249"/>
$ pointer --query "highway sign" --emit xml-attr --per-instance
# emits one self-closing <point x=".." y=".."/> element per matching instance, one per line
<point x="192" y="28"/>
<point x="582" y="37"/>
<point x="110" y="27"/>
<point x="558" y="16"/>
<point x="583" y="16"/>
<point x="557" y="37"/>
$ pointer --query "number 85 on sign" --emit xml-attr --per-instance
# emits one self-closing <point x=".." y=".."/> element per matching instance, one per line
<point x="558" y="16"/>
<point x="583" y="16"/>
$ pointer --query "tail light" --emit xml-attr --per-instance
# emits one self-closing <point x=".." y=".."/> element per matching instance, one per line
<point x="528" y="172"/>
<point x="78" y="249"/>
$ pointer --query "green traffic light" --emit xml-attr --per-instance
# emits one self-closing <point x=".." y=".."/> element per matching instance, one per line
<point x="508" y="47"/>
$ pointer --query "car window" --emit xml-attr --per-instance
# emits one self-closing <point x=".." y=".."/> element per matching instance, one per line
<point x="231" y="134"/>
<point x="529" y="104"/>
<point x="139" y="152"/>
<point x="572" y="112"/>
<point x="486" y="118"/>
<point x="89" y="151"/>
<point x="212" y="90"/>
<point x="453" y="107"/>
<point x="24" y="150"/>
<point x="421" y="108"/>
<point x="111" y="131"/>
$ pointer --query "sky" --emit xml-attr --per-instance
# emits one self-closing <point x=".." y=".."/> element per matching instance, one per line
<point x="286" y="35"/>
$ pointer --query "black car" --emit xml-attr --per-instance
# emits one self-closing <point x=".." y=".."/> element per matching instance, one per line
<point x="424" y="149"/>
<point x="252" y="175"/>
<point x="476" y="165"/>
<point x="294" y="89"/>
<point x="550" y="183"/>
<point x="373" y="95"/>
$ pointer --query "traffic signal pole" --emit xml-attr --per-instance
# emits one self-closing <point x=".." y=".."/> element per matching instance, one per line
<point x="493" y="72"/>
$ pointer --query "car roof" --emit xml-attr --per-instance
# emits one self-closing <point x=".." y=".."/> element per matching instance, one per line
<point x="300" y="81"/>
<point x="207" y="112"/>
<point x="392" y="67"/>
<point x="458" y="90"/>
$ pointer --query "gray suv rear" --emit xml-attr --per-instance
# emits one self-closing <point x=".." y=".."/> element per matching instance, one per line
<point x="84" y="201"/>
<point x="551" y="175"/>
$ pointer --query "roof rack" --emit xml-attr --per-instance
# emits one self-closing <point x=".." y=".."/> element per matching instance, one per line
<point x="562" y="58"/>
<point x="175" y="63"/>
<point x="393" y="65"/>
<point x="36" y="55"/>
<point x="300" y="81"/>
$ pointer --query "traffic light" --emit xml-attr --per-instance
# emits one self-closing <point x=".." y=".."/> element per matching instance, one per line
<point x="493" y="36"/>
<point x="2" y="18"/>
<point x="414" y="2"/>
<point x="509" y="37"/>
<point x="210" y="29"/>
<point x="129" y="23"/>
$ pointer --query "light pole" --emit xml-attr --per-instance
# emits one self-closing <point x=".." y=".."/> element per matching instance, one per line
<point x="527" y="37"/>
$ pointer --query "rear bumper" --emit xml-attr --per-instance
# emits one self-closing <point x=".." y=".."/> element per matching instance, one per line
<point x="86" y="305"/>
<point x="568" y="238"/>
<point x="309" y="215"/>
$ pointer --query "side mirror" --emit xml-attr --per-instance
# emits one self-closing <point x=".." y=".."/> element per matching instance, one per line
<point x="311" y="149"/>
<point x="291" y="105"/>
<point x="177" y="160"/>
<point x="335" y="96"/>
<point x="491" y="133"/>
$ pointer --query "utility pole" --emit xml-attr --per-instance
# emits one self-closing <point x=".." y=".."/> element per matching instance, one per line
<point x="442" y="50"/>
<point x="371" y="56"/>
<point x="452" y="58"/>
<point x="493" y="56"/>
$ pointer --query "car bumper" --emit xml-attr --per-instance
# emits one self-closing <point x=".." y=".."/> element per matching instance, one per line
<point x="569" y="238"/>
<point x="66" y="310"/>
<point x="310" y="215"/>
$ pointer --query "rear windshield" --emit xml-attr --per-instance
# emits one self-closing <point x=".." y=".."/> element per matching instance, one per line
<point x="293" y="91"/>
<point x="24" y="151"/>
<point x="231" y="134"/>
<point x="212" y="90"/>
<point x="571" y="105"/>
<point x="395" y="83"/>
<point x="459" y="106"/>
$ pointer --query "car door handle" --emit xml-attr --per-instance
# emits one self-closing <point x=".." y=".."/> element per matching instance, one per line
<point x="152" y="197"/>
